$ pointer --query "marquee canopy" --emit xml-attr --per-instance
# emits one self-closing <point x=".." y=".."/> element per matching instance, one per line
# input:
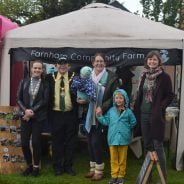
<point x="95" y="26"/>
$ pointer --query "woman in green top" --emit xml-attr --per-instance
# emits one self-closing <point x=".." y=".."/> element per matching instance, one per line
<point x="106" y="83"/>
<point x="154" y="95"/>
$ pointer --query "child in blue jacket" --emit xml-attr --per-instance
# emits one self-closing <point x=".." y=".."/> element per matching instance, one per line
<point x="120" y="120"/>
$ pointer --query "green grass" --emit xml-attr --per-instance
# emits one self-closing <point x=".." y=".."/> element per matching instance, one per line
<point x="81" y="167"/>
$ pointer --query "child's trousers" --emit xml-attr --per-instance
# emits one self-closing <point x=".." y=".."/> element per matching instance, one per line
<point x="118" y="156"/>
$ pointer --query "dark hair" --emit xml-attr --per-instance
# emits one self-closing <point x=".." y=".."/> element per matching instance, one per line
<point x="150" y="55"/>
<point x="101" y="55"/>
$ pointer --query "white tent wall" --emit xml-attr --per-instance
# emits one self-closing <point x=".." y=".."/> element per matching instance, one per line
<point x="180" y="142"/>
<point x="5" y="78"/>
<point x="95" y="26"/>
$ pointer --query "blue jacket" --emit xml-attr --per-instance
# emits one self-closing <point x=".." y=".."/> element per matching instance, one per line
<point x="119" y="126"/>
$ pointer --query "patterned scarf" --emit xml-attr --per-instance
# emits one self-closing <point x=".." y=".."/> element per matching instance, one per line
<point x="150" y="81"/>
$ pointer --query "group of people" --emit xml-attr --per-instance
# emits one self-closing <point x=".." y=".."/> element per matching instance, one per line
<point x="52" y="98"/>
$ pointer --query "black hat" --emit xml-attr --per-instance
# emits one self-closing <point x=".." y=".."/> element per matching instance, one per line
<point x="62" y="60"/>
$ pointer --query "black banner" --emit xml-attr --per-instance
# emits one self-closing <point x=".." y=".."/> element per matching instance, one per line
<point x="84" y="56"/>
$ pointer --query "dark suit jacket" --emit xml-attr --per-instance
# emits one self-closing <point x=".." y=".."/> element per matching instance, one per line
<point x="163" y="96"/>
<point x="40" y="104"/>
<point x="51" y="82"/>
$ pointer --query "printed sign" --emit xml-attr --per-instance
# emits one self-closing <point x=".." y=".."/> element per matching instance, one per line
<point x="81" y="56"/>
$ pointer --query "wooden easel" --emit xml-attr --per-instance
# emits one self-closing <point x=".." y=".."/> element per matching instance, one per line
<point x="150" y="159"/>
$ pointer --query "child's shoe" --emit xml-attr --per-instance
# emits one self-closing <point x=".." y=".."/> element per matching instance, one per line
<point x="120" y="181"/>
<point x="113" y="181"/>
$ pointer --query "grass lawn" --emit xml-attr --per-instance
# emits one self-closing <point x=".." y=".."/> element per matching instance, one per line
<point x="81" y="167"/>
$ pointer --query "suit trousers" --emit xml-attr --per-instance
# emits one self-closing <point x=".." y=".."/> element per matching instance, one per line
<point x="31" y="128"/>
<point x="64" y="136"/>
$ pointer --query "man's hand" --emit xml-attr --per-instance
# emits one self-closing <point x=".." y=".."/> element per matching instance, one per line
<point x="29" y="112"/>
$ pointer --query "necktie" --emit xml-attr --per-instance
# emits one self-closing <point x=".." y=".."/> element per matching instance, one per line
<point x="62" y="94"/>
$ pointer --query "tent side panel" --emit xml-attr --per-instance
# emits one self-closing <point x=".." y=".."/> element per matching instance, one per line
<point x="180" y="142"/>
<point x="5" y="79"/>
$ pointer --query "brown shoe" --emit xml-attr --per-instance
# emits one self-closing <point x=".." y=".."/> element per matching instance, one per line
<point x="97" y="177"/>
<point x="90" y="174"/>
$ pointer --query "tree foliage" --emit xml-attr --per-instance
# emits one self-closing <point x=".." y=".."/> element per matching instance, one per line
<point x="146" y="7"/>
<point x="182" y="17"/>
<point x="157" y="7"/>
<point x="29" y="11"/>
<point x="172" y="12"/>
<point x="166" y="11"/>
<point x="18" y="10"/>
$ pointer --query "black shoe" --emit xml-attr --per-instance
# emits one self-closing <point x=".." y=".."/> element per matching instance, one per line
<point x="58" y="169"/>
<point x="70" y="171"/>
<point x="57" y="172"/>
<point x="27" y="171"/>
<point x="35" y="172"/>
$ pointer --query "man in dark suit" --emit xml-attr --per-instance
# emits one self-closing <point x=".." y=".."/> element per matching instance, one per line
<point x="63" y="119"/>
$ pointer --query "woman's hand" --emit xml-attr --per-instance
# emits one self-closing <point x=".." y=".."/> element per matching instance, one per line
<point x="99" y="111"/>
<point x="26" y="118"/>
<point x="28" y="114"/>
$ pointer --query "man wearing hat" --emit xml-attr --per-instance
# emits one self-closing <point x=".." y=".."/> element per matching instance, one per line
<point x="62" y="117"/>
